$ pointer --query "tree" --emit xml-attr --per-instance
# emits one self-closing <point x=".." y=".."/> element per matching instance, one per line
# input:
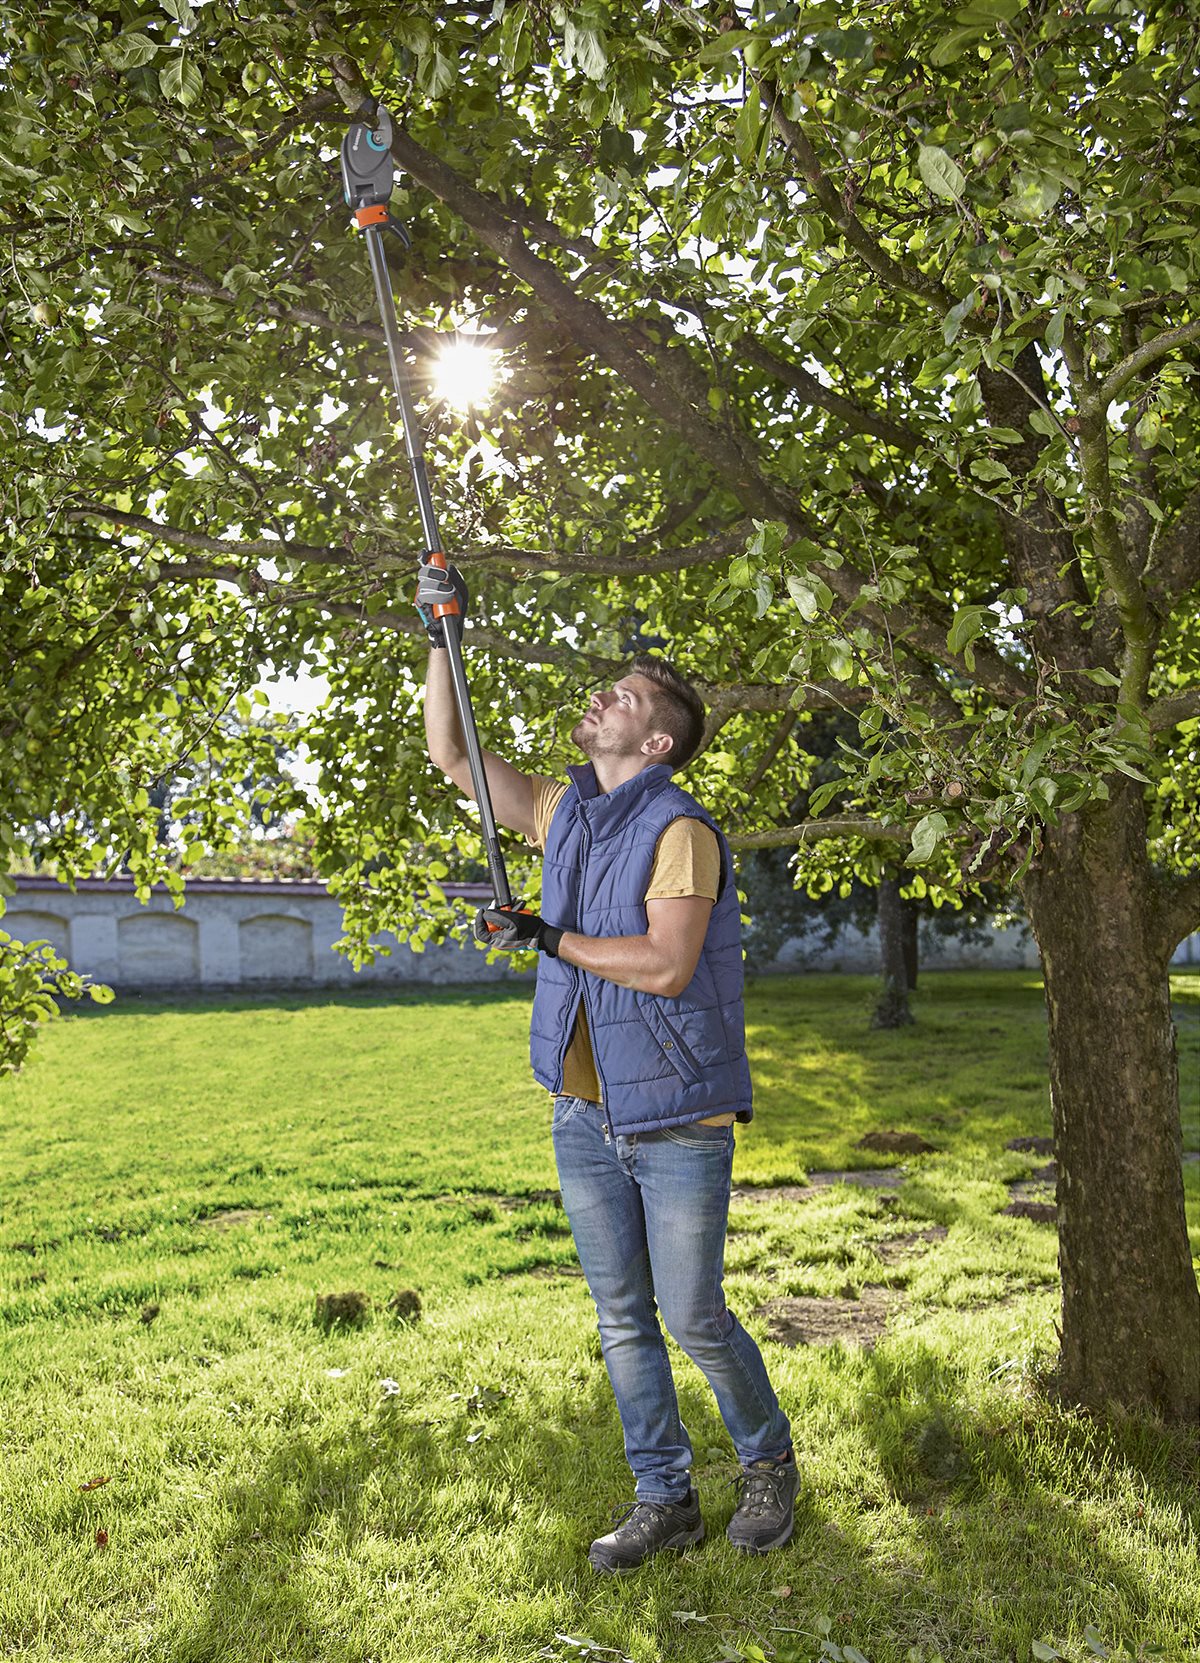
<point x="850" y="349"/>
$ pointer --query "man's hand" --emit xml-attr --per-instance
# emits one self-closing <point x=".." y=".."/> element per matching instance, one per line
<point x="439" y="586"/>
<point x="509" y="930"/>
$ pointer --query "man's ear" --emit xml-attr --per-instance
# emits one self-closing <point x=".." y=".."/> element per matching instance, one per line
<point x="659" y="746"/>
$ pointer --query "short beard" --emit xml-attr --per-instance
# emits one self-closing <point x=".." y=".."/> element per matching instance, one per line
<point x="593" y="743"/>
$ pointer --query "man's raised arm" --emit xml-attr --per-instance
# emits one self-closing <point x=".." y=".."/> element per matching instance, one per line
<point x="511" y="791"/>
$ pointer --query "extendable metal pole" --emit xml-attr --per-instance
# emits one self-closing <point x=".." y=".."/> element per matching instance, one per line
<point x="367" y="170"/>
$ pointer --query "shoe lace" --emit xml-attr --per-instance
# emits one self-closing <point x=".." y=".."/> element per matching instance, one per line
<point x="639" y="1519"/>
<point x="758" y="1489"/>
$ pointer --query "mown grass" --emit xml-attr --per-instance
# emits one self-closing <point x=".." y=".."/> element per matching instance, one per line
<point x="427" y="1490"/>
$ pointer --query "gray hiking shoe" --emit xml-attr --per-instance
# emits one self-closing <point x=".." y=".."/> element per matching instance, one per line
<point x="646" y="1528"/>
<point x="766" y="1509"/>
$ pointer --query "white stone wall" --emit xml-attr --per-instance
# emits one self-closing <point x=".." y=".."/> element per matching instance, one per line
<point x="241" y="934"/>
<point x="228" y="934"/>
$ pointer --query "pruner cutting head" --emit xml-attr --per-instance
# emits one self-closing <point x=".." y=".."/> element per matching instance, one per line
<point x="367" y="170"/>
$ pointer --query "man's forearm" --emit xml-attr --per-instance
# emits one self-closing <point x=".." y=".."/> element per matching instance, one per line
<point x="443" y="731"/>
<point x="637" y="961"/>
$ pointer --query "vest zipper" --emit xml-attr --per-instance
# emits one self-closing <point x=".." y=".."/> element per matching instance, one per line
<point x="587" y="849"/>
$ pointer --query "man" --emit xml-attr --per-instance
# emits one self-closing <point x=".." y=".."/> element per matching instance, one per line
<point x="638" y="1032"/>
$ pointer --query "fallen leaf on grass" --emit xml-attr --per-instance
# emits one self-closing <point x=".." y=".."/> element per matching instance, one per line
<point x="95" y="1483"/>
<point x="688" y="1617"/>
<point x="102" y="1538"/>
<point x="782" y="1593"/>
<point x="336" y="1374"/>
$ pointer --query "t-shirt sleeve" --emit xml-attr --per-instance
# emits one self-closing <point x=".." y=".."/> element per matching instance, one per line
<point x="687" y="861"/>
<point x="547" y="794"/>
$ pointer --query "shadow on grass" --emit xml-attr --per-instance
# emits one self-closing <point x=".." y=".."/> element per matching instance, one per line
<point x="132" y="1003"/>
<point x="998" y="1541"/>
<point x="1011" y="1514"/>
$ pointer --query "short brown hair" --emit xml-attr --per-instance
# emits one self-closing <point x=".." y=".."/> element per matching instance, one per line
<point x="676" y="706"/>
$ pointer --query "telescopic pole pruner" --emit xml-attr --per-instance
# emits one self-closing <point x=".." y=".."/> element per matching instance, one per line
<point x="368" y="177"/>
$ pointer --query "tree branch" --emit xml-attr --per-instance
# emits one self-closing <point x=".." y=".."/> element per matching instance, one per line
<point x="819" y="831"/>
<point x="671" y="384"/>
<point x="1141" y="358"/>
<point x="1174" y="564"/>
<point x="719" y="546"/>
<point x="906" y="279"/>
<point x="190" y="283"/>
<point x="1122" y="582"/>
<point x="854" y="416"/>
<point x="1174" y="708"/>
<point x="1178" y="909"/>
<point x="783" y="732"/>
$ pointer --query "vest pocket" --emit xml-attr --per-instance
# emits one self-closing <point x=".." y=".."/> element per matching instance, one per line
<point x="670" y="1042"/>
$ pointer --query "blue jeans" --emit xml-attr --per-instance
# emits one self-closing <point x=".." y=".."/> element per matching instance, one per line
<point x="648" y="1213"/>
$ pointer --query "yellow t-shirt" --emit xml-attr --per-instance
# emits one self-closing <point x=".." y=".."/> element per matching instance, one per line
<point x="687" y="861"/>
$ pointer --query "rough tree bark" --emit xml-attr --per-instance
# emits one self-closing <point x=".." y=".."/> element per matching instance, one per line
<point x="910" y="919"/>
<point x="892" y="1011"/>
<point x="1130" y="1303"/>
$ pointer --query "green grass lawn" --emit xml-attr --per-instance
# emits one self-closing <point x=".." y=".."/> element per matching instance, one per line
<point x="427" y="1490"/>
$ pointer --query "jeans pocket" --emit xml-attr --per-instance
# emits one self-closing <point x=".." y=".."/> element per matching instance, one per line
<point x="695" y="1135"/>
<point x="566" y="1108"/>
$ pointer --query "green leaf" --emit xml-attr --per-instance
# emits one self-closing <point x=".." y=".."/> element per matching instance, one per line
<point x="130" y="51"/>
<point x="957" y="316"/>
<point x="953" y="45"/>
<point x="1035" y="753"/>
<point x="1033" y="196"/>
<point x="583" y="45"/>
<point x="967" y="626"/>
<point x="801" y="592"/>
<point x="988" y="469"/>
<point x="1128" y="769"/>
<point x="733" y="40"/>
<point x="1043" y="1652"/>
<point x="926" y="835"/>
<point x="940" y="171"/>
<point x="747" y="128"/>
<point x="1091" y="1636"/>
<point x="840" y="660"/>
<point x="990" y="12"/>
<point x="1149" y="428"/>
<point x="180" y="80"/>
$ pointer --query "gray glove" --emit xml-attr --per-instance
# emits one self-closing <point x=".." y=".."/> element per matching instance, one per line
<point x="438" y="586"/>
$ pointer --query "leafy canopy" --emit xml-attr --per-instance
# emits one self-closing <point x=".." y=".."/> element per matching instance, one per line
<point x="848" y="352"/>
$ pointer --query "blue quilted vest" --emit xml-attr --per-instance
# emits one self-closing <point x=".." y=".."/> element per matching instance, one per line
<point x="661" y="1062"/>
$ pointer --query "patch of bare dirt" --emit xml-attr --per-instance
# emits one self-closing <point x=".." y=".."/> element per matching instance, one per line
<point x="511" y="1203"/>
<point x="877" y="1177"/>
<point x="231" y="1217"/>
<point x="895" y="1143"/>
<point x="1031" y="1146"/>
<point x="1037" y="1212"/>
<point x="895" y="1249"/>
<point x="807" y="1321"/>
<point x="341" y="1310"/>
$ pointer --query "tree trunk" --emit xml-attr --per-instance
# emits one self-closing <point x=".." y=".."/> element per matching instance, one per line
<point x="1130" y="1304"/>
<point x="892" y="1010"/>
<point x="910" y="918"/>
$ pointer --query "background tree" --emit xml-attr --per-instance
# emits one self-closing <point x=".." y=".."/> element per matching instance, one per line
<point x="854" y="347"/>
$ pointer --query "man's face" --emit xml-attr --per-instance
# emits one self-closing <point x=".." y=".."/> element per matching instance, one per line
<point x="618" y="722"/>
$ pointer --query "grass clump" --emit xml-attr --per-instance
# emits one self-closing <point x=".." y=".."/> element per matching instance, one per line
<point x="234" y="1481"/>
